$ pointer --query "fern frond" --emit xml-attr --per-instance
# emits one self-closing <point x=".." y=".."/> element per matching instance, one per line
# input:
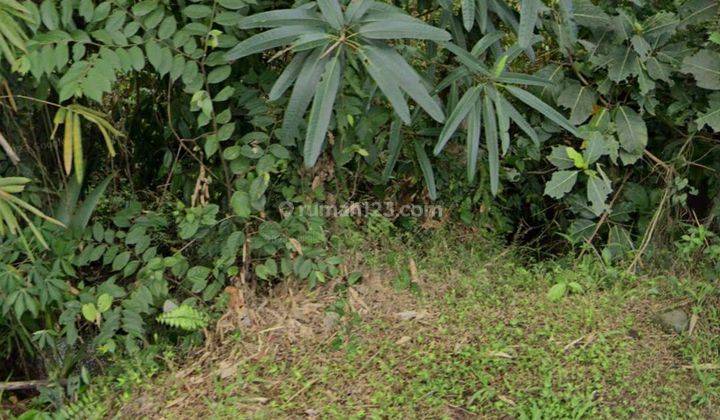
<point x="184" y="317"/>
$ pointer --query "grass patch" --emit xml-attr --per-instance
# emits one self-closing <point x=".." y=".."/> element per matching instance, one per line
<point x="458" y="328"/>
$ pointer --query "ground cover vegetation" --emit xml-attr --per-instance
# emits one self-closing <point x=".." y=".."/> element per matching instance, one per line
<point x="157" y="158"/>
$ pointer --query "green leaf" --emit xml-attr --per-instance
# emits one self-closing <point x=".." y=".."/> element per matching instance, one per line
<point x="240" y="203"/>
<point x="89" y="312"/>
<point x="598" y="188"/>
<point x="540" y="106"/>
<point x="393" y="149"/>
<point x="288" y="76"/>
<point x="557" y="292"/>
<point x="485" y="42"/>
<point x="712" y="116"/>
<point x="561" y="183"/>
<point x="143" y="8"/>
<point x="705" y="67"/>
<point x="197" y="11"/>
<point x="281" y="18"/>
<point x="579" y="100"/>
<point x="631" y="130"/>
<point x="519" y="119"/>
<point x="120" y="261"/>
<point x="197" y="276"/>
<point x="559" y="157"/>
<point x="267" y="40"/>
<point x="388" y="85"/>
<point x="472" y="146"/>
<point x="426" y="169"/>
<point x="467" y="59"/>
<point x="468" y="13"/>
<point x="104" y="302"/>
<point x="528" y="20"/>
<point x="402" y="30"/>
<point x="331" y="12"/>
<point x="167" y="28"/>
<point x="622" y="63"/>
<point x="463" y="107"/>
<point x="396" y="67"/>
<point x="302" y="93"/>
<point x="576" y="157"/>
<point x="357" y="9"/>
<point x="49" y="14"/>
<point x="491" y="143"/>
<point x="321" y="111"/>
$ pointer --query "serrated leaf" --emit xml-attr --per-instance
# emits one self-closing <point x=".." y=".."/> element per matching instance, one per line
<point x="598" y="188"/>
<point x="579" y="99"/>
<point x="560" y="183"/>
<point x="705" y="67"/>
<point x="631" y="130"/>
<point x="712" y="116"/>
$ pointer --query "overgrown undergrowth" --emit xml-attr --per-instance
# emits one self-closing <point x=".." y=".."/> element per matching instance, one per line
<point x="455" y="327"/>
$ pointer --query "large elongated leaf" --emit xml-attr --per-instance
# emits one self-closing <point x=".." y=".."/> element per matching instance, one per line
<point x="464" y="106"/>
<point x="393" y="149"/>
<point x="322" y="110"/>
<point x="400" y="30"/>
<point x="356" y="10"/>
<point x="288" y="76"/>
<point x="302" y="93"/>
<point x="519" y="119"/>
<point x="407" y="77"/>
<point x="467" y="59"/>
<point x="532" y="101"/>
<point x="485" y="42"/>
<point x="468" y="13"/>
<point x="472" y="146"/>
<point x="82" y="215"/>
<point x="528" y="20"/>
<point x="332" y="12"/>
<point x="281" y="18"/>
<point x="388" y="85"/>
<point x="426" y="169"/>
<point x="268" y="39"/>
<point x="705" y="67"/>
<point x="491" y="143"/>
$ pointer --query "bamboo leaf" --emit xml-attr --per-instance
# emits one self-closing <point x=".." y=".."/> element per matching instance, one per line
<point x="545" y="109"/>
<point x="403" y="30"/>
<point x="491" y="143"/>
<point x="68" y="143"/>
<point x="322" y="111"/>
<point x="464" y="106"/>
<point x="426" y="169"/>
<point x="472" y="147"/>
<point x="393" y="149"/>
<point x="77" y="148"/>
<point x="332" y="12"/>
<point x="528" y="20"/>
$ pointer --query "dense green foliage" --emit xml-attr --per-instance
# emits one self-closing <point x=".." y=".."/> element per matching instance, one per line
<point x="168" y="143"/>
